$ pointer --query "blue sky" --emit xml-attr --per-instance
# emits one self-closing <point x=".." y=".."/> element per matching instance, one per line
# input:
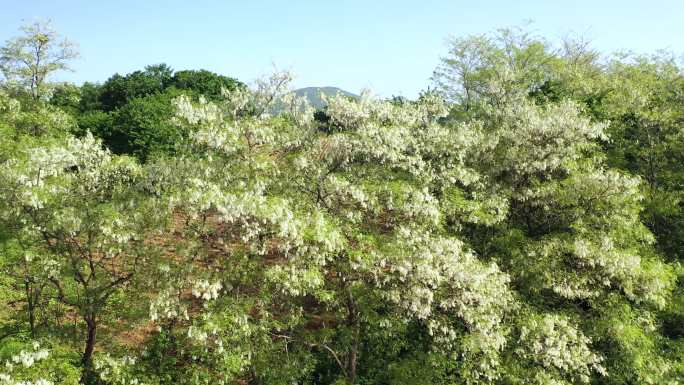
<point x="391" y="47"/>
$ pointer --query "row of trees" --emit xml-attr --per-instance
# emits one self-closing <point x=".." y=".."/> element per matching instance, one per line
<point x="521" y="224"/>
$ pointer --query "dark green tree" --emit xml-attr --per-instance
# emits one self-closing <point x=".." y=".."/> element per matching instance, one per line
<point x="142" y="127"/>
<point x="119" y="90"/>
<point x="204" y="82"/>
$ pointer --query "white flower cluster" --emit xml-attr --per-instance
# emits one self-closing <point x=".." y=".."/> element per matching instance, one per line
<point x="116" y="371"/>
<point x="9" y="106"/>
<point x="605" y="249"/>
<point x="347" y="112"/>
<point x="298" y="108"/>
<point x="351" y="114"/>
<point x="203" y="112"/>
<point x="206" y="290"/>
<point x="18" y="366"/>
<point x="541" y="140"/>
<point x="440" y="281"/>
<point x="38" y="119"/>
<point x="27" y="359"/>
<point x="166" y="305"/>
<point x="35" y="176"/>
<point x="555" y="344"/>
<point x="295" y="280"/>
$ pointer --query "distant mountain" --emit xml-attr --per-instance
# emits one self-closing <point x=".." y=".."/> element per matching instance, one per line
<point x="313" y="94"/>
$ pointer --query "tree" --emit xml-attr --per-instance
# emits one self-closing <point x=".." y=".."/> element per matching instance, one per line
<point x="91" y="97"/>
<point x="644" y="108"/>
<point x="82" y="211"/>
<point x="363" y="227"/>
<point x="35" y="119"/>
<point x="204" y="82"/>
<point x="30" y="59"/>
<point x="646" y="115"/>
<point x="119" y="90"/>
<point x="132" y="113"/>
<point x="572" y="241"/>
<point x="310" y="244"/>
<point x="493" y="69"/>
<point x="67" y="97"/>
<point x="143" y="127"/>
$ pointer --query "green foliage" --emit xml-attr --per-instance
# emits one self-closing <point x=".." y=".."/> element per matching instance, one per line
<point x="522" y="225"/>
<point x="31" y="118"/>
<point x="67" y="97"/>
<point x="132" y="113"/>
<point x="119" y="90"/>
<point x="29" y="60"/>
<point x="90" y="98"/>
<point x="34" y="362"/>
<point x="142" y="127"/>
<point x="204" y="83"/>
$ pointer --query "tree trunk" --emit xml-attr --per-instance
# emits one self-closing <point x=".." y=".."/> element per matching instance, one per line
<point x="354" y="323"/>
<point x="86" y="360"/>
<point x="30" y="307"/>
<point x="352" y="360"/>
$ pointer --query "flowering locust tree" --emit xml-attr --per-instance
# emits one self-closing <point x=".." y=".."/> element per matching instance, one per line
<point x="572" y="241"/>
<point x="319" y="245"/>
<point x="82" y="219"/>
<point x="385" y="236"/>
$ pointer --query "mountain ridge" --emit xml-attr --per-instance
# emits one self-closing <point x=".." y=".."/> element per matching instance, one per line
<point x="313" y="94"/>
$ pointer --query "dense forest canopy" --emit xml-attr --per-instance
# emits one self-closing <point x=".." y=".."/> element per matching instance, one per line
<point x="520" y="222"/>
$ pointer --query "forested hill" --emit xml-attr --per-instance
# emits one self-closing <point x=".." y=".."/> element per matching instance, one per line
<point x="313" y="94"/>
